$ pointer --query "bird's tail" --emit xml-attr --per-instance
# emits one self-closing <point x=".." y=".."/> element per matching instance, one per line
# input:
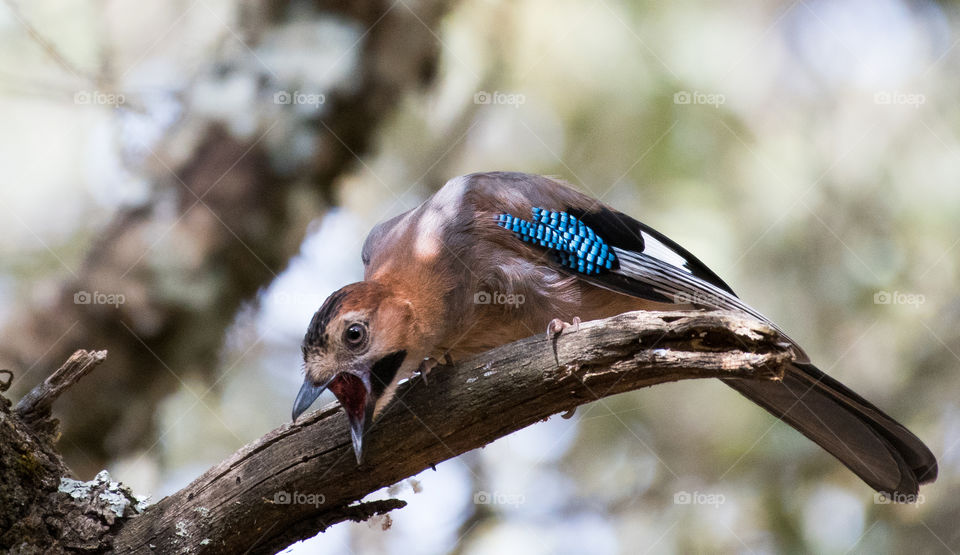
<point x="877" y="448"/>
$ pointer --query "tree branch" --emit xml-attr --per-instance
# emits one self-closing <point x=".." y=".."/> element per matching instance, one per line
<point x="41" y="509"/>
<point x="35" y="406"/>
<point x="302" y="477"/>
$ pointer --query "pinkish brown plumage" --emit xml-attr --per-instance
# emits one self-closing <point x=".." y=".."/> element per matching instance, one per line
<point x="426" y="272"/>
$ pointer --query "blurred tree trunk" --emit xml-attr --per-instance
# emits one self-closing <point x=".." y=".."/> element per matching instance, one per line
<point x="219" y="227"/>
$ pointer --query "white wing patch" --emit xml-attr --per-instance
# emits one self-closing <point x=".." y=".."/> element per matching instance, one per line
<point x="436" y="214"/>
<point x="655" y="248"/>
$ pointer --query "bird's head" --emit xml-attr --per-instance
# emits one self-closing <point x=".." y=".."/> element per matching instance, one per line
<point x="355" y="346"/>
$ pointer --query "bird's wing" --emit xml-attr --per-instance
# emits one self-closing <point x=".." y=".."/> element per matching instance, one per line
<point x="639" y="260"/>
<point x="650" y="261"/>
<point x="587" y="239"/>
<point x="379" y="241"/>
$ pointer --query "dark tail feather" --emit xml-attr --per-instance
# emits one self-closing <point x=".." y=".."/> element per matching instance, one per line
<point x="874" y="446"/>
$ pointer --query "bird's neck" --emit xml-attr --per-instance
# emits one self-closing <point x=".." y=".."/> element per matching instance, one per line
<point x="425" y="300"/>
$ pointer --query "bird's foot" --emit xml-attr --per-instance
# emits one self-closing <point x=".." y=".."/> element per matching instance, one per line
<point x="429" y="363"/>
<point x="555" y="328"/>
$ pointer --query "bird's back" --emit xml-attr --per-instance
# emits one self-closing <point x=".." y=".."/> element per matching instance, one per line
<point x="494" y="289"/>
<point x="479" y="285"/>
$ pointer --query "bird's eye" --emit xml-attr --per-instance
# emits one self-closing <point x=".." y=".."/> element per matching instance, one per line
<point x="355" y="335"/>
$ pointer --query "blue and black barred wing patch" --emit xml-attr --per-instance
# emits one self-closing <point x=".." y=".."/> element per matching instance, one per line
<point x="577" y="248"/>
<point x="638" y="262"/>
<point x="571" y="243"/>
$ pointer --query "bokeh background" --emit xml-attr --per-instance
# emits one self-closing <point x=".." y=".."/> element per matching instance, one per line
<point x="185" y="181"/>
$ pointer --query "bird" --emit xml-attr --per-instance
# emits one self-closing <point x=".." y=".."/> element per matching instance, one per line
<point x="572" y="258"/>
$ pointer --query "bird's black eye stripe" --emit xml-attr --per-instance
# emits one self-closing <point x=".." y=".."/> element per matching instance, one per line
<point x="384" y="370"/>
<point x="355" y="335"/>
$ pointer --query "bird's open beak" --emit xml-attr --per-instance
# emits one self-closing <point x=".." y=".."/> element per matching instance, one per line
<point x="353" y="392"/>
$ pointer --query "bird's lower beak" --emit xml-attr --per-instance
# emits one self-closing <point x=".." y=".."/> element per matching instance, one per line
<point x="353" y="393"/>
<point x="358" y="426"/>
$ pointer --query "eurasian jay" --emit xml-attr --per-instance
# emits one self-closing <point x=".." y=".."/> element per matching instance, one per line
<point x="571" y="257"/>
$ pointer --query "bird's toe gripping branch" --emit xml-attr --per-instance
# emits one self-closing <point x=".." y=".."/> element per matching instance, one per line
<point x="555" y="328"/>
<point x="428" y="364"/>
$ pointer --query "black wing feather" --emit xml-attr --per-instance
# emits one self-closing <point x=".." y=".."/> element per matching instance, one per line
<point x="626" y="233"/>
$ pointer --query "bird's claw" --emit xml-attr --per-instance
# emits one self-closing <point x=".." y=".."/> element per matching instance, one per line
<point x="555" y="328"/>
<point x="429" y="363"/>
<point x="426" y="365"/>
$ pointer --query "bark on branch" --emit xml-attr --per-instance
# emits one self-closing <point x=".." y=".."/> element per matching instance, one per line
<point x="302" y="478"/>
<point x="247" y="502"/>
<point x="41" y="509"/>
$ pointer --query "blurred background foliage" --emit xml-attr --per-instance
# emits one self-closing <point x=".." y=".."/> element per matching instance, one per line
<point x="807" y="151"/>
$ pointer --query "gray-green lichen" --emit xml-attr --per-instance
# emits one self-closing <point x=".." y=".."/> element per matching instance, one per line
<point x="106" y="492"/>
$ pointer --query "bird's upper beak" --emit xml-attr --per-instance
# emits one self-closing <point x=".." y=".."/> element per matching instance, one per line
<point x="353" y="392"/>
<point x="309" y="392"/>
